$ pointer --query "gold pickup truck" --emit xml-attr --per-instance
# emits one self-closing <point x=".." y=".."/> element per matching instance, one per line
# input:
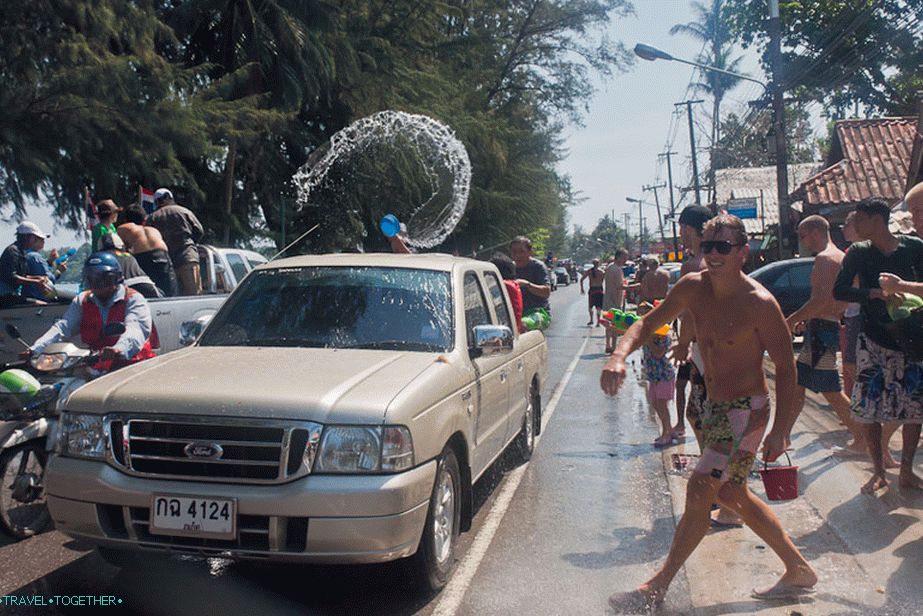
<point x="337" y="409"/>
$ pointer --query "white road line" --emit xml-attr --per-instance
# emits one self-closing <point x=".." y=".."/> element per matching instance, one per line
<point x="453" y="594"/>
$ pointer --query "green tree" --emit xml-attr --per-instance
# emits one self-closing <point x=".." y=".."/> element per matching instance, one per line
<point x="270" y="55"/>
<point x="843" y="53"/>
<point x="89" y="100"/>
<point x="748" y="142"/>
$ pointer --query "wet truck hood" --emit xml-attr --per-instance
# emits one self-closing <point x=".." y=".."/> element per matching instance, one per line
<point x="325" y="385"/>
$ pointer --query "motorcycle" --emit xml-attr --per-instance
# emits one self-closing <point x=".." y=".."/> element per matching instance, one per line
<point x="28" y="411"/>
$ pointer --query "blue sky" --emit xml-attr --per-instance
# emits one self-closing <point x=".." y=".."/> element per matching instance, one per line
<point x="630" y="120"/>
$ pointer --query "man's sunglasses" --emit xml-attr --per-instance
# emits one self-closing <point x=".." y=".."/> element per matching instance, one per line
<point x="722" y="246"/>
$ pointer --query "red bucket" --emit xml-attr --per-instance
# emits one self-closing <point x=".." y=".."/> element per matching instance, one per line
<point x="781" y="482"/>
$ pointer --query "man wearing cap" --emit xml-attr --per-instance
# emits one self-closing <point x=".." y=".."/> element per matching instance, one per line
<point x="691" y="223"/>
<point x="181" y="231"/>
<point x="107" y="211"/>
<point x="14" y="265"/>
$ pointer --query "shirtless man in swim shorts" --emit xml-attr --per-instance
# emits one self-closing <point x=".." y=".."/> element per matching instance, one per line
<point x="821" y="315"/>
<point x="735" y="320"/>
<point x="595" y="294"/>
<point x="691" y="223"/>
<point x="147" y="245"/>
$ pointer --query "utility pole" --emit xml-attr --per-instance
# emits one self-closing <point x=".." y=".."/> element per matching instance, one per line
<point x="667" y="155"/>
<point x="654" y="188"/>
<point x="640" y="228"/>
<point x="627" y="217"/>
<point x="778" y="114"/>
<point x="695" y="163"/>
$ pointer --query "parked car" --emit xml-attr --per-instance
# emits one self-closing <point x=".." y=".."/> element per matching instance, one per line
<point x="789" y="281"/>
<point x="561" y="276"/>
<point x="337" y="409"/>
<point x="222" y="269"/>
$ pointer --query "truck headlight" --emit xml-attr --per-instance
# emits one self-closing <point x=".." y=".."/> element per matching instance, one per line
<point x="364" y="449"/>
<point x="81" y="436"/>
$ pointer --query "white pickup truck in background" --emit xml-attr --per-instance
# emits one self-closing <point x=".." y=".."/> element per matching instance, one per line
<point x="222" y="270"/>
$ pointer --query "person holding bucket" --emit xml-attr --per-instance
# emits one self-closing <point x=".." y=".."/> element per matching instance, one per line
<point x="736" y="320"/>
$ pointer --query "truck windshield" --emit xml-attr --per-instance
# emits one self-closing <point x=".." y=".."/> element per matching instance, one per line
<point x="338" y="307"/>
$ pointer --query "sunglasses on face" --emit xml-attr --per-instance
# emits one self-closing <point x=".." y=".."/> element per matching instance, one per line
<point x="722" y="246"/>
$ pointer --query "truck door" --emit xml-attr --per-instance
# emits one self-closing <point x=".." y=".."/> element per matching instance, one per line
<point x="517" y="390"/>
<point x="490" y="381"/>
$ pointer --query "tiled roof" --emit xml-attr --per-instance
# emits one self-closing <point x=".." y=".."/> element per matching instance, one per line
<point x="869" y="158"/>
<point x="749" y="182"/>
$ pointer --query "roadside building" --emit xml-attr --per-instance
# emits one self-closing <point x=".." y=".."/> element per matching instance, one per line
<point x="877" y="157"/>
<point x="750" y="193"/>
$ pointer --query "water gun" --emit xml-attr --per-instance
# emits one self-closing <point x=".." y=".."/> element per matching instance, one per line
<point x="536" y="319"/>
<point x="622" y="320"/>
<point x="619" y="319"/>
<point x="67" y="255"/>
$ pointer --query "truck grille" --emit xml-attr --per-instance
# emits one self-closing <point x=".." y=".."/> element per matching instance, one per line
<point x="238" y="451"/>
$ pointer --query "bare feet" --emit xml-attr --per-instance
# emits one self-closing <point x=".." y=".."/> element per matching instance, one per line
<point x="877" y="482"/>
<point x="665" y="440"/>
<point x="678" y="431"/>
<point x="794" y="583"/>
<point x="910" y="481"/>
<point x="889" y="462"/>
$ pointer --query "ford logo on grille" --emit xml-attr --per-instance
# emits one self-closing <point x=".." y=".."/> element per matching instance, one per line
<point x="206" y="451"/>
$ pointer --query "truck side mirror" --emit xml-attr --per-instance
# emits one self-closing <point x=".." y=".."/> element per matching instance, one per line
<point x="189" y="331"/>
<point x="492" y="340"/>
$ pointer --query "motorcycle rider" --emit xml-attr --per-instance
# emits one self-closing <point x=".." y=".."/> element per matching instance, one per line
<point x="107" y="301"/>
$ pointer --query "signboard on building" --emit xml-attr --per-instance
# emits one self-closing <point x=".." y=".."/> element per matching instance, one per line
<point x="742" y="208"/>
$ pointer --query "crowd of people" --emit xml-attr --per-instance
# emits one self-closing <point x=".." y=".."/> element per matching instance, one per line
<point x="158" y="252"/>
<point x="727" y="321"/>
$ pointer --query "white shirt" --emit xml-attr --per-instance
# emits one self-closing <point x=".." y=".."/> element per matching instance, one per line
<point x="138" y="322"/>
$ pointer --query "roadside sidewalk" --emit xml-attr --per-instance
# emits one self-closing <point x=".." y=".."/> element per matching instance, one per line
<point x="867" y="550"/>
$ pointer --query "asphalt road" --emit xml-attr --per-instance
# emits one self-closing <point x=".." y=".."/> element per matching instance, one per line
<point x="592" y="513"/>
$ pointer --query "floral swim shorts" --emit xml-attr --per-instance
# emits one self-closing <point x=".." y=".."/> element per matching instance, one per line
<point x="731" y="433"/>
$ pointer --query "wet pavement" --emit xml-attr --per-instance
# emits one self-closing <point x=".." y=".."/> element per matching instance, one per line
<point x="593" y="513"/>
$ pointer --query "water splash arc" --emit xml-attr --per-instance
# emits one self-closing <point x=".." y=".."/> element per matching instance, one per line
<point x="437" y="149"/>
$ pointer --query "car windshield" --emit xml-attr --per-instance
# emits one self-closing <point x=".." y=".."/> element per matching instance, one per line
<point x="338" y="307"/>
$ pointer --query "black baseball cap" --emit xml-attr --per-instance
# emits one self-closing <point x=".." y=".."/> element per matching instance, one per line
<point x="695" y="216"/>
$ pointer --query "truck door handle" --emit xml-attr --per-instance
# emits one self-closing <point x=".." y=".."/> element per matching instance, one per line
<point x="466" y="398"/>
<point x="519" y="365"/>
<point x="503" y="376"/>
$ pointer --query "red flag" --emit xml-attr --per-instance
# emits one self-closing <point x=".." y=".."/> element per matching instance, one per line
<point x="92" y="215"/>
<point x="146" y="198"/>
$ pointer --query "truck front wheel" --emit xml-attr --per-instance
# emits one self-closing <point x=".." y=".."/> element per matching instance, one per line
<point x="435" y="556"/>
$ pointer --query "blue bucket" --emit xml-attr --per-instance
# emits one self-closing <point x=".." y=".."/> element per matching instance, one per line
<point x="390" y="225"/>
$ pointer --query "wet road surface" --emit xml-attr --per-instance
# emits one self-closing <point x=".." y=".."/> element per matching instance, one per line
<point x="593" y="513"/>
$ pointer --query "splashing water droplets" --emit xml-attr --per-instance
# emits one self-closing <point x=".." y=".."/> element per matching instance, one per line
<point x="434" y="145"/>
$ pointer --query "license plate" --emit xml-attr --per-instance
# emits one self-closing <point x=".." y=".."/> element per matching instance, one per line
<point x="185" y="516"/>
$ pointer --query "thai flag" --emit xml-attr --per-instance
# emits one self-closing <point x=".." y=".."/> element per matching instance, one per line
<point x="146" y="199"/>
<point x="90" y="207"/>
